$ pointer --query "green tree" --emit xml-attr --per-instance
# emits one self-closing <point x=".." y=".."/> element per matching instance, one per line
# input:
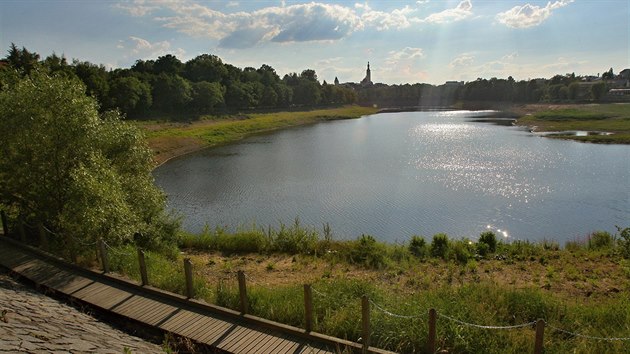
<point x="21" y="59"/>
<point x="598" y="90"/>
<point x="81" y="174"/>
<point x="206" y="96"/>
<point x="205" y="67"/>
<point x="130" y="95"/>
<point x="171" y="92"/>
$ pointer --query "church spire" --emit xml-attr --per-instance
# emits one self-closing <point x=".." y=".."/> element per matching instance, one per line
<point x="367" y="81"/>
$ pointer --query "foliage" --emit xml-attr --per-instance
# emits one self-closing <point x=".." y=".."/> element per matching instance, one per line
<point x="418" y="247"/>
<point x="624" y="241"/>
<point x="490" y="239"/>
<point x="440" y="246"/>
<point x="83" y="175"/>
<point x="600" y="240"/>
<point x="367" y="252"/>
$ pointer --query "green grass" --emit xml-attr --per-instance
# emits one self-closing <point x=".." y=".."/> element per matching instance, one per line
<point x="337" y="309"/>
<point x="613" y="118"/>
<point x="223" y="131"/>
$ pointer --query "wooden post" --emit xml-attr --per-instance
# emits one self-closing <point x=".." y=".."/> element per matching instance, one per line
<point x="242" y="291"/>
<point x="432" y="332"/>
<point x="190" y="291"/>
<point x="143" y="268"/>
<point x="308" y="307"/>
<point x="43" y="237"/>
<point x="365" y="321"/>
<point x="103" y="252"/>
<point x="21" y="230"/>
<point x="5" y="224"/>
<point x="540" y="332"/>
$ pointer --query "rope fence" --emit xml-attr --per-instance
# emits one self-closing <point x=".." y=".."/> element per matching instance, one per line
<point x="367" y="304"/>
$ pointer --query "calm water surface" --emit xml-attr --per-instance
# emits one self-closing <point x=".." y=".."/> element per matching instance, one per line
<point x="395" y="175"/>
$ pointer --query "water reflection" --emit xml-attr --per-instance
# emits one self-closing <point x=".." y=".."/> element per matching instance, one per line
<point x="401" y="174"/>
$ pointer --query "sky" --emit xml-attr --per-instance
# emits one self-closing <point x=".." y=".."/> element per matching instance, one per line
<point x="426" y="41"/>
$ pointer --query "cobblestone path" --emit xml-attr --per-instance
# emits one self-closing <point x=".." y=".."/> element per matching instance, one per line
<point x="34" y="323"/>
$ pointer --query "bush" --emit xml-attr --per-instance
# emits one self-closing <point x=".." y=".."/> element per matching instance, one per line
<point x="439" y="246"/>
<point x="490" y="239"/>
<point x="368" y="252"/>
<point x="418" y="246"/>
<point x="483" y="249"/>
<point x="624" y="241"/>
<point x="461" y="251"/>
<point x="600" y="240"/>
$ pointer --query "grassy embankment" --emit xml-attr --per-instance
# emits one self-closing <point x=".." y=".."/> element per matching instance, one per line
<point x="169" y="139"/>
<point x="583" y="288"/>
<point x="610" y="118"/>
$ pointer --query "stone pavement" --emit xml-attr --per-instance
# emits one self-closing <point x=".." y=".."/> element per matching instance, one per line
<point x="34" y="323"/>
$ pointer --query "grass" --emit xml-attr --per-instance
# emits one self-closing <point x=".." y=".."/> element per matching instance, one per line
<point x="172" y="139"/>
<point x="582" y="288"/>
<point x="611" y="118"/>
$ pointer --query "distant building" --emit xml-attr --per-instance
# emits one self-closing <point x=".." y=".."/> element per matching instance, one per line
<point x="367" y="80"/>
<point x="624" y="74"/>
<point x="454" y="83"/>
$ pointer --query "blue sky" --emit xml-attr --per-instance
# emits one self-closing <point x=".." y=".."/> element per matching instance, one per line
<point x="405" y="41"/>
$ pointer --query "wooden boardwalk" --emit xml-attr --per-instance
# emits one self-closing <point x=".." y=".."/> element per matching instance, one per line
<point x="218" y="327"/>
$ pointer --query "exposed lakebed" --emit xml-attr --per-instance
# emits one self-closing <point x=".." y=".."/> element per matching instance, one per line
<point x="398" y="174"/>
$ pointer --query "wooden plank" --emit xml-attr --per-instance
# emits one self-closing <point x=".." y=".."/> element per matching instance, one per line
<point x="218" y="331"/>
<point x="262" y="341"/>
<point x="103" y="297"/>
<point x="89" y="290"/>
<point x="256" y="338"/>
<point x="155" y="315"/>
<point x="289" y="346"/>
<point x="270" y="345"/>
<point x="193" y="320"/>
<point x="247" y="336"/>
<point x="237" y="334"/>
<point x="176" y="319"/>
<point x="213" y="330"/>
<point x="140" y="307"/>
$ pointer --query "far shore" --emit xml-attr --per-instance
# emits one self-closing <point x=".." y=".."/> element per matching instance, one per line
<point x="607" y="123"/>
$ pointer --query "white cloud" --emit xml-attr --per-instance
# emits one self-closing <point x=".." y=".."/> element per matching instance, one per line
<point x="462" y="60"/>
<point x="529" y="15"/>
<point x="462" y="11"/>
<point x="286" y="23"/>
<point x="406" y="53"/>
<point x="232" y="4"/>
<point x="137" y="47"/>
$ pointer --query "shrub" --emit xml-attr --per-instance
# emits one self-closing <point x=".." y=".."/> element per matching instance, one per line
<point x="483" y="249"/>
<point x="461" y="251"/>
<point x="418" y="246"/>
<point x="600" y="240"/>
<point x="439" y="246"/>
<point x="624" y="241"/>
<point x="490" y="239"/>
<point x="368" y="252"/>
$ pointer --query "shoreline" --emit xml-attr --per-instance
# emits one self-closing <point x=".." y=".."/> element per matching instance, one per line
<point x="171" y="140"/>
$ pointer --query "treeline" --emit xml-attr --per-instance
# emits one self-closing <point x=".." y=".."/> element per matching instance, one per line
<point x="199" y="86"/>
<point x="560" y="88"/>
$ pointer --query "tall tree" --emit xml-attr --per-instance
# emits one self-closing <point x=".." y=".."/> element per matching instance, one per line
<point x="81" y="174"/>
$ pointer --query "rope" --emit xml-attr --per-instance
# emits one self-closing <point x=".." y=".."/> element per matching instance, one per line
<point x="115" y="251"/>
<point x="79" y="241"/>
<point x="587" y="336"/>
<point x="529" y="324"/>
<point x="394" y="314"/>
<point x="319" y="293"/>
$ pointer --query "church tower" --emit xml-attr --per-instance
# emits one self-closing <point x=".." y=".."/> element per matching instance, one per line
<point x="367" y="81"/>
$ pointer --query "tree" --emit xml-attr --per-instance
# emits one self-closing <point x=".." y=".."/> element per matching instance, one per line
<point x="167" y="64"/>
<point x="82" y="175"/>
<point x="21" y="59"/>
<point x="130" y="95"/>
<point x="598" y="90"/>
<point x="205" y="67"/>
<point x="608" y="75"/>
<point x="171" y="92"/>
<point x="206" y="96"/>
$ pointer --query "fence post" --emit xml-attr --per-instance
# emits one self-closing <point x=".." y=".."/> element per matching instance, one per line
<point x="432" y="331"/>
<point x="21" y="230"/>
<point x="540" y="332"/>
<point x="308" y="307"/>
<point x="190" y="291"/>
<point x="104" y="259"/>
<point x="365" y="321"/>
<point x="5" y="225"/>
<point x="242" y="291"/>
<point x="43" y="237"/>
<point x="143" y="267"/>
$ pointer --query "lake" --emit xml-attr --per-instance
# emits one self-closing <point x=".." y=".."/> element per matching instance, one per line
<point x="399" y="174"/>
